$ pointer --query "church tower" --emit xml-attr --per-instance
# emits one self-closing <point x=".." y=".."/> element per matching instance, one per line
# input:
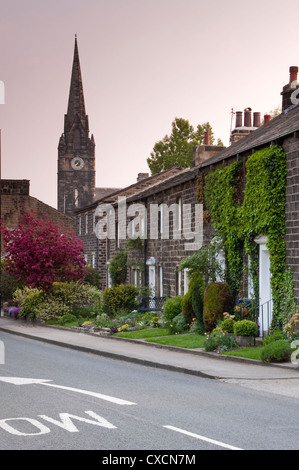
<point x="76" y="150"/>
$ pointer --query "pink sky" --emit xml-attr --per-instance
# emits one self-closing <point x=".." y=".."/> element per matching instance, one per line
<point x="143" y="62"/>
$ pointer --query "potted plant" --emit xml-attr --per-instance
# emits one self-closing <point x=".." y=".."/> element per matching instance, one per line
<point x="243" y="306"/>
<point x="245" y="331"/>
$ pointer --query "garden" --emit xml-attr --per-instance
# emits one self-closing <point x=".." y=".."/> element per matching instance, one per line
<point x="193" y="321"/>
<point x="44" y="278"/>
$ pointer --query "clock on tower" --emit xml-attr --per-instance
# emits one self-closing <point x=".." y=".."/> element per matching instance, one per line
<point x="76" y="150"/>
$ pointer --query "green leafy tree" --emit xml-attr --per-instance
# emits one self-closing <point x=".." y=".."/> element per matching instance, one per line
<point x="176" y="149"/>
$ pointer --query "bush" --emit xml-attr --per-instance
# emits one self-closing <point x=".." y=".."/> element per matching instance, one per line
<point x="187" y="309"/>
<point x="77" y="294"/>
<point x="20" y="295"/>
<point x="196" y="288"/>
<point x="68" y="318"/>
<point x="220" y="340"/>
<point x="172" y="307"/>
<point x="51" y="309"/>
<point x="276" y="351"/>
<point x="120" y="298"/>
<point x="228" y="325"/>
<point x="8" y="283"/>
<point x="217" y="299"/>
<point x="275" y="336"/>
<point x="178" y="324"/>
<point x="31" y="305"/>
<point x="64" y="298"/>
<point x="245" y="328"/>
<point x="118" y="268"/>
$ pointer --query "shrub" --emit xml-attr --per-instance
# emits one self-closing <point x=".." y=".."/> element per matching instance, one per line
<point x="20" y="295"/>
<point x="31" y="305"/>
<point x="92" y="276"/>
<point x="8" y="283"/>
<point x="245" y="328"/>
<point x="217" y="299"/>
<point x="228" y="325"/>
<point x="276" y="351"/>
<point x="172" y="307"/>
<point x="118" y="298"/>
<point x="51" y="309"/>
<point x="187" y="309"/>
<point x="275" y="336"/>
<point x="118" y="268"/>
<point x="62" y="299"/>
<point x="68" y="318"/>
<point x="77" y="294"/>
<point x="178" y="324"/>
<point x="220" y="340"/>
<point x="196" y="287"/>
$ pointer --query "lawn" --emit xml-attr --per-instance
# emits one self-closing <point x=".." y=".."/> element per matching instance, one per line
<point x="249" y="353"/>
<point x="140" y="334"/>
<point x="182" y="341"/>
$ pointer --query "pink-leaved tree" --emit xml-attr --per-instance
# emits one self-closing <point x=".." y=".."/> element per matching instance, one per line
<point x="38" y="253"/>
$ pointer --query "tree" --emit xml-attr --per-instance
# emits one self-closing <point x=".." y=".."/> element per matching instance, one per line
<point x="39" y="253"/>
<point x="177" y="149"/>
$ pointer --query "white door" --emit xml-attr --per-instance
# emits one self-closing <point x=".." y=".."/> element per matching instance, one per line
<point x="265" y="303"/>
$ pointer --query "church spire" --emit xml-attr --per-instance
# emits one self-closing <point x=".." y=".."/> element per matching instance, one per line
<point x="76" y="105"/>
<point x="76" y="150"/>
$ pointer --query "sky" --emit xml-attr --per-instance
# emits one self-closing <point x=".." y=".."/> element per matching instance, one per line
<point x="143" y="63"/>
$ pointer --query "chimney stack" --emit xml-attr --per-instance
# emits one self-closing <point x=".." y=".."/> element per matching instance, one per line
<point x="288" y="89"/>
<point x="293" y="74"/>
<point x="241" y="130"/>
<point x="142" y="176"/>
<point x="267" y="118"/>
<point x="207" y="138"/>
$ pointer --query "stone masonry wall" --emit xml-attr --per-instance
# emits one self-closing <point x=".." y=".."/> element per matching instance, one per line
<point x="291" y="148"/>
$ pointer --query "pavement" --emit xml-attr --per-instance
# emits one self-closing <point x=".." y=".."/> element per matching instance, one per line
<point x="189" y="361"/>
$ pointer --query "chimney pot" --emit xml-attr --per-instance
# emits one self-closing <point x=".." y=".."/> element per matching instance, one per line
<point x="239" y="118"/>
<point x="267" y="118"/>
<point x="207" y="138"/>
<point x="293" y="74"/>
<point x="256" y="119"/>
<point x="247" y="117"/>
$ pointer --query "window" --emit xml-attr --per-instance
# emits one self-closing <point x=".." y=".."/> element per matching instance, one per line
<point x="186" y="280"/>
<point x="76" y="197"/>
<point x="86" y="223"/>
<point x="161" y="280"/>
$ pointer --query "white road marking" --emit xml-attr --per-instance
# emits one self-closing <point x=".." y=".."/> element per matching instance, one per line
<point x="202" y="438"/>
<point x="25" y="381"/>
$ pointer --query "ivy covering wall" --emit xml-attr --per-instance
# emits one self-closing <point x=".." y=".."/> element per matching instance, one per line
<point x="239" y="216"/>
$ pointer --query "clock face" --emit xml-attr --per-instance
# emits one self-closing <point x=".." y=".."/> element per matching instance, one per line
<point x="77" y="163"/>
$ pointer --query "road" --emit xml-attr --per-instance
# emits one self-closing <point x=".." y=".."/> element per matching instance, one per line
<point x="74" y="400"/>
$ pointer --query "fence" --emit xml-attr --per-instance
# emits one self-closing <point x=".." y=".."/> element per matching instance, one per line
<point x="262" y="315"/>
<point x="151" y="304"/>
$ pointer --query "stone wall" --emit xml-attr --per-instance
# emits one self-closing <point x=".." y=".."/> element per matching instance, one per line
<point x="291" y="148"/>
<point x="16" y="200"/>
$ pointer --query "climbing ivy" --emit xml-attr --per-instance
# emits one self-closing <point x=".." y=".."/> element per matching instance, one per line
<point x="222" y="202"/>
<point x="262" y="212"/>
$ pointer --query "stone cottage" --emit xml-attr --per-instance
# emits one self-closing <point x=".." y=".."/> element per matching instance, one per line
<point x="105" y="225"/>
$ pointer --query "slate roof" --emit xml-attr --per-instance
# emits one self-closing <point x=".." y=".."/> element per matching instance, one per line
<point x="279" y="127"/>
<point x="136" y="188"/>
